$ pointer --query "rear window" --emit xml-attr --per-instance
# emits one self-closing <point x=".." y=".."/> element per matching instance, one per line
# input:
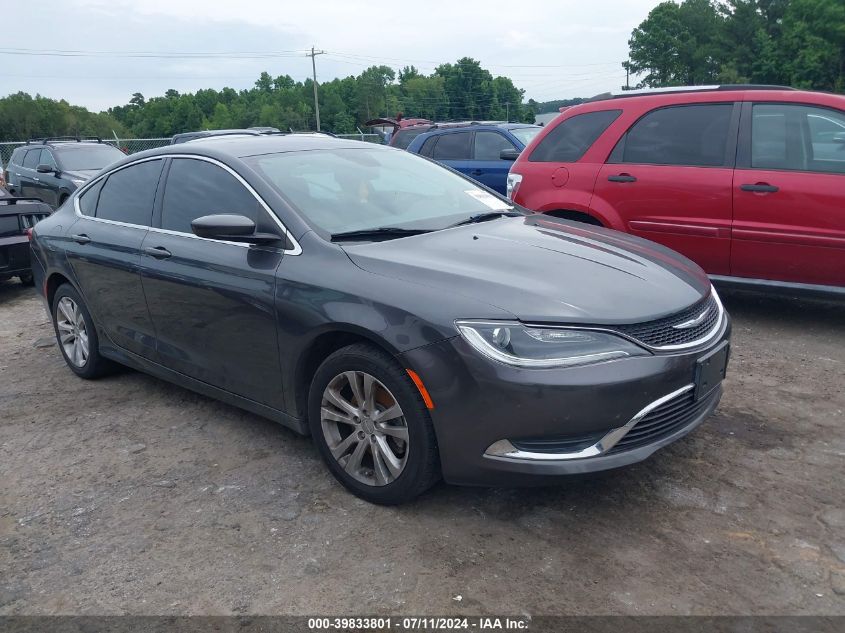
<point x="569" y="140"/>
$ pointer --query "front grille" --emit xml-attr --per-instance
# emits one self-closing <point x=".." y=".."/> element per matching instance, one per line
<point x="661" y="422"/>
<point x="665" y="332"/>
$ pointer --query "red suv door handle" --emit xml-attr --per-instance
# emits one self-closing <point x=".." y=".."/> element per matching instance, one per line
<point x="622" y="178"/>
<point x="760" y="187"/>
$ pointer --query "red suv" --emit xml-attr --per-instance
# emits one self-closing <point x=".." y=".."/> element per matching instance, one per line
<point x="748" y="181"/>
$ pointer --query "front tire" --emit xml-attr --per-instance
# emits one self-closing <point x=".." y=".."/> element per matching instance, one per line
<point x="371" y="426"/>
<point x="77" y="336"/>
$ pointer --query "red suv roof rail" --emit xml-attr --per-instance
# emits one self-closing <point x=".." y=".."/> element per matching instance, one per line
<point x="645" y="92"/>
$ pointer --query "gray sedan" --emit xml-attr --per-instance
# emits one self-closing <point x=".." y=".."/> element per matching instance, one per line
<point x="414" y="323"/>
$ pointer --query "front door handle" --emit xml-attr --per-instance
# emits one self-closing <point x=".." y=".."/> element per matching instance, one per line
<point x="622" y="178"/>
<point x="159" y="252"/>
<point x="475" y="172"/>
<point x="760" y="187"/>
<point x="80" y="239"/>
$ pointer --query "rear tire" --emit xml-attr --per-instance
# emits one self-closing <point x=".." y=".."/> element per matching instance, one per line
<point x="77" y="336"/>
<point x="27" y="279"/>
<point x="375" y="435"/>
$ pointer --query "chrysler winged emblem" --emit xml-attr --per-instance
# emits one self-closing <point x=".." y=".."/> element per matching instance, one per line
<point x="692" y="322"/>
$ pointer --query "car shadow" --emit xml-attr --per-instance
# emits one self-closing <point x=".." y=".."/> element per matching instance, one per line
<point x="11" y="289"/>
<point x="770" y="309"/>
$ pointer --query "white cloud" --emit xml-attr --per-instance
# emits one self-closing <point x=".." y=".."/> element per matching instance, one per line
<point x="552" y="49"/>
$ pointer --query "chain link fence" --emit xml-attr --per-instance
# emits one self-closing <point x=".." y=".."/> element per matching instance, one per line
<point x="135" y="145"/>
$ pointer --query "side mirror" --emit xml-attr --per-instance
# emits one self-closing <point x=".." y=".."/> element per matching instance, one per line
<point x="509" y="154"/>
<point x="232" y="228"/>
<point x="45" y="169"/>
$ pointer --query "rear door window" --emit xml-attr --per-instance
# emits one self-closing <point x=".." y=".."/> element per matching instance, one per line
<point x="128" y="194"/>
<point x="455" y="146"/>
<point x="88" y="200"/>
<point x="798" y="138"/>
<point x="570" y="139"/>
<point x="688" y="135"/>
<point x="488" y="145"/>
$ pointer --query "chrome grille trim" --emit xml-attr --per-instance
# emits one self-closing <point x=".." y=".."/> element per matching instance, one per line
<point x="505" y="450"/>
<point x="710" y="310"/>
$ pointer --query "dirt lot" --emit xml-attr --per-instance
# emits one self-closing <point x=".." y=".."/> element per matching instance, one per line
<point x="129" y="495"/>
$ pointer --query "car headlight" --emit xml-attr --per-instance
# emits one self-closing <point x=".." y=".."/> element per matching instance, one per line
<point x="515" y="344"/>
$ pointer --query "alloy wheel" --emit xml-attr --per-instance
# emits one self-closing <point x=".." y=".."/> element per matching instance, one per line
<point x="364" y="428"/>
<point x="73" y="334"/>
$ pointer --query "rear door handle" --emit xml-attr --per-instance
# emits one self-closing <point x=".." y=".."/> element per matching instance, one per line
<point x="476" y="172"/>
<point x="80" y="239"/>
<point x="760" y="187"/>
<point x="159" y="252"/>
<point x="622" y="178"/>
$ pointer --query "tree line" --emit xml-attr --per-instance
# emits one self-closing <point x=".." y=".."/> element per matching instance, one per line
<point x="463" y="90"/>
<point x="799" y="43"/>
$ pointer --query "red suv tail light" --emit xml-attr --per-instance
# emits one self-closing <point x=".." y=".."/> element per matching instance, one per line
<point x="514" y="181"/>
<point x="28" y="233"/>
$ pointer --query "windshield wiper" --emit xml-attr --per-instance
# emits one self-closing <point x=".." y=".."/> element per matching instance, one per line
<point x="483" y="217"/>
<point x="376" y="232"/>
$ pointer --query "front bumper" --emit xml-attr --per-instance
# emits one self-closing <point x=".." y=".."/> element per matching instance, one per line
<point x="501" y="425"/>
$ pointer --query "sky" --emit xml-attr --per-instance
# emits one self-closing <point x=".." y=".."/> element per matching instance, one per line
<point x="102" y="51"/>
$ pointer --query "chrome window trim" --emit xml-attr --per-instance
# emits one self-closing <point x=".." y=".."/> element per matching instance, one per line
<point x="503" y="449"/>
<point x="296" y="250"/>
<point x="717" y="329"/>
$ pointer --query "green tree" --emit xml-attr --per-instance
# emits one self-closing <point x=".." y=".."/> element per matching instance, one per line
<point x="678" y="44"/>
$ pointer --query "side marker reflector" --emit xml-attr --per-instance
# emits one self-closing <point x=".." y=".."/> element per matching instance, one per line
<point x="429" y="403"/>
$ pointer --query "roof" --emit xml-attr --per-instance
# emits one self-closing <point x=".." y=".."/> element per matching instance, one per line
<point x="640" y="92"/>
<point x="242" y="146"/>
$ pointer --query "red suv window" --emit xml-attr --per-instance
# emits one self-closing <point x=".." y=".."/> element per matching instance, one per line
<point x="567" y="142"/>
<point x="689" y="135"/>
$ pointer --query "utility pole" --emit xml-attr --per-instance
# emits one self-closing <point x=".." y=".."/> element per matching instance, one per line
<point x="508" y="111"/>
<point x="313" y="55"/>
<point x="628" y="75"/>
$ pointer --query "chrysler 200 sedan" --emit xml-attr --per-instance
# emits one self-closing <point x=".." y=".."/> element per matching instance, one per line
<point x="414" y="323"/>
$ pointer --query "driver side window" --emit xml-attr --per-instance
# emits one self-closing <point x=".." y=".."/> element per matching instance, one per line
<point x="196" y="188"/>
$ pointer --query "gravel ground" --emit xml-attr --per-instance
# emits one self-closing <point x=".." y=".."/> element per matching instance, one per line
<point x="131" y="496"/>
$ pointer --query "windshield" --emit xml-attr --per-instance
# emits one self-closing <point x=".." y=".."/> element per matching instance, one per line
<point x="526" y="134"/>
<point x="352" y="189"/>
<point x="85" y="157"/>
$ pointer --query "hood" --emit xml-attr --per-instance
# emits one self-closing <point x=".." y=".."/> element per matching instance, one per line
<point x="84" y="174"/>
<point x="544" y="270"/>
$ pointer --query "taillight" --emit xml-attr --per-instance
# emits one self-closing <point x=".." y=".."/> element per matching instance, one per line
<point x="513" y="184"/>
<point x="28" y="234"/>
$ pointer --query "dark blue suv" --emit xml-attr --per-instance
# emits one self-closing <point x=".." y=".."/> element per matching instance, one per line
<point x="483" y="151"/>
